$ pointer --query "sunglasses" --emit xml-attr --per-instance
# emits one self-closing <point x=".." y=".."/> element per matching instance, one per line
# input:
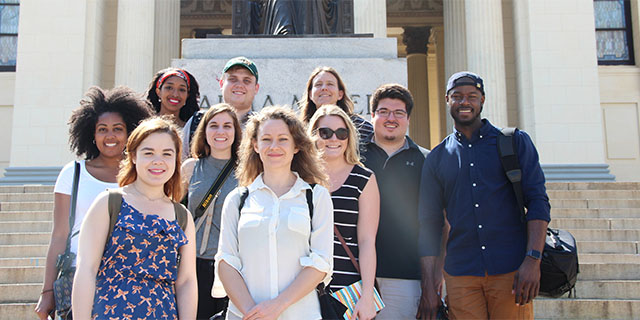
<point x="326" y="133"/>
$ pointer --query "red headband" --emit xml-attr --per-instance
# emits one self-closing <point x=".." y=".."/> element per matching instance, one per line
<point x="178" y="73"/>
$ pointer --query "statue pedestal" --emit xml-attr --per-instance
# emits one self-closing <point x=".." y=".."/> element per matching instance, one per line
<point x="284" y="65"/>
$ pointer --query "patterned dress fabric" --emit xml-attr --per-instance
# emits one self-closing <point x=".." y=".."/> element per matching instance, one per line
<point x="139" y="268"/>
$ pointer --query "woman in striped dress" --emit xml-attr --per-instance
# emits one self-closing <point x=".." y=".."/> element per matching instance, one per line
<point x="356" y="203"/>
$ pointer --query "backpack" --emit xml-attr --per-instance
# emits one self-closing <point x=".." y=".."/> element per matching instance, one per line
<point x="559" y="267"/>
<point x="244" y="193"/>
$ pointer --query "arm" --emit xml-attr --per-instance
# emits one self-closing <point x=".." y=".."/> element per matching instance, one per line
<point x="187" y="171"/>
<point x="526" y="282"/>
<point x="57" y="245"/>
<point x="186" y="282"/>
<point x="186" y="139"/>
<point x="93" y="236"/>
<point x="367" y="227"/>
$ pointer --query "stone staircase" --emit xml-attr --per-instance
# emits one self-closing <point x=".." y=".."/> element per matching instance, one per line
<point x="604" y="218"/>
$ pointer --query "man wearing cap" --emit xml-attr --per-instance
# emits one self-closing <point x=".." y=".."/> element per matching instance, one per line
<point x="239" y="85"/>
<point x="492" y="264"/>
<point x="397" y="161"/>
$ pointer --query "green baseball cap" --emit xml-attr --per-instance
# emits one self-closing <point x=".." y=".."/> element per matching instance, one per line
<point x="244" y="62"/>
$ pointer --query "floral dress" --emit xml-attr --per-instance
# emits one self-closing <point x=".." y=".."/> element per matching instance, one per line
<point x="138" y="271"/>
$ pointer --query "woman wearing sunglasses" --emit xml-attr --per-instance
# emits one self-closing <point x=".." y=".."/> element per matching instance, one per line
<point x="356" y="203"/>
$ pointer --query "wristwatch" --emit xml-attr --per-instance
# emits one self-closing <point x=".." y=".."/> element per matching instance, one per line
<point x="534" y="254"/>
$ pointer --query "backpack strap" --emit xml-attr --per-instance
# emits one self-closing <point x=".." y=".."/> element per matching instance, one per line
<point x="511" y="165"/>
<point x="181" y="215"/>
<point x="197" y="117"/>
<point x="244" y="193"/>
<point x="115" y="202"/>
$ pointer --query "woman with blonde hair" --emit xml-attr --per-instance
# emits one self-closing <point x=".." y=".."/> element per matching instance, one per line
<point x="209" y="179"/>
<point x="276" y="236"/>
<point x="356" y="205"/>
<point x="143" y="265"/>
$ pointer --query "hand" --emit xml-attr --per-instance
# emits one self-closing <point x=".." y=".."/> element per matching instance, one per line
<point x="429" y="302"/>
<point x="526" y="282"/>
<point x="46" y="304"/>
<point x="365" y="308"/>
<point x="265" y="310"/>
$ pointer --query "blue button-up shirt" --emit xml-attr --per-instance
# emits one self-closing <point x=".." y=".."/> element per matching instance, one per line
<point x="465" y="177"/>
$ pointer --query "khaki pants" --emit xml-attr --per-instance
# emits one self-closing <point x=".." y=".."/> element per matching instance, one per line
<point x="488" y="297"/>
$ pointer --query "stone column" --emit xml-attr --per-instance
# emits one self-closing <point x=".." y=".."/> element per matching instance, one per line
<point x="436" y="96"/>
<point x="442" y="82"/>
<point x="370" y="16"/>
<point x="455" y="44"/>
<point x="416" y="39"/>
<point x="135" y="43"/>
<point x="166" y="34"/>
<point x="485" y="55"/>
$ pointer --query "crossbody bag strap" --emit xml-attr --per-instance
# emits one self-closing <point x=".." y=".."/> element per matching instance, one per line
<point x="72" y="204"/>
<point x="215" y="188"/>
<point x="346" y="248"/>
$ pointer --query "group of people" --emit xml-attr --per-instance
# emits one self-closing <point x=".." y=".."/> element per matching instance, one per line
<point x="277" y="202"/>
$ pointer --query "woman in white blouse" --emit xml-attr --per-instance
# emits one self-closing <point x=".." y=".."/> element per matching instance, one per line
<point x="272" y="254"/>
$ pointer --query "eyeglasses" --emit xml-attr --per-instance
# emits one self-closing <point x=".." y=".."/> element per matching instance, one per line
<point x="399" y="114"/>
<point x="326" y="133"/>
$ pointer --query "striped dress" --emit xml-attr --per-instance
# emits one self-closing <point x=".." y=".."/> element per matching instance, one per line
<point x="345" y="215"/>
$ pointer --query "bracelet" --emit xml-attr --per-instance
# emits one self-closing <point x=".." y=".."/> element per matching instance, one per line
<point x="45" y="291"/>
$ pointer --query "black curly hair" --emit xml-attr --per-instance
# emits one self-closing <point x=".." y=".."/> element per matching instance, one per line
<point x="193" y="96"/>
<point x="82" y="124"/>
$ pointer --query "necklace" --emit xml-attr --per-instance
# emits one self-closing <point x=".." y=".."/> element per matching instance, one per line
<point x="145" y="196"/>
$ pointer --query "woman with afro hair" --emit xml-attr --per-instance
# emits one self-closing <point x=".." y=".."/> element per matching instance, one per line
<point x="174" y="92"/>
<point x="98" y="132"/>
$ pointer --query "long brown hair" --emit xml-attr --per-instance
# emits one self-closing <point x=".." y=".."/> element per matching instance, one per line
<point x="199" y="147"/>
<point x="306" y="162"/>
<point x="128" y="174"/>
<point x="351" y="155"/>
<point x="308" y="107"/>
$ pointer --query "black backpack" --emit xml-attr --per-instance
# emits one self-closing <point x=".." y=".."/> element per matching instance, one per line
<point x="559" y="267"/>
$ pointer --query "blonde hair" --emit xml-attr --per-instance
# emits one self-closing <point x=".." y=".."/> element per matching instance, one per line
<point x="199" y="146"/>
<point x="352" y="154"/>
<point x="306" y="162"/>
<point x="128" y="174"/>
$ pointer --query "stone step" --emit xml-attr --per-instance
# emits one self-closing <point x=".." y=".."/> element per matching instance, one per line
<point x="25" y="226"/>
<point x="23" y="262"/>
<point x="616" y="289"/>
<point x="24" y="250"/>
<point x="25" y="238"/>
<point x="608" y="258"/>
<point x="594" y="213"/>
<point x="10" y="275"/>
<point x="20" y="197"/>
<point x="568" y="308"/>
<point x="608" y="271"/>
<point x="628" y="247"/>
<point x="593" y="185"/>
<point x="26" y="206"/>
<point x="595" y="203"/>
<point x="46" y="215"/>
<point x="21" y="292"/>
<point x="595" y="223"/>
<point x="594" y="194"/>
<point x="605" y="235"/>
<point x="18" y="310"/>
<point x="25" y="189"/>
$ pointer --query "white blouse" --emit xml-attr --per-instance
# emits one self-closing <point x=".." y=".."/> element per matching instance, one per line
<point x="272" y="240"/>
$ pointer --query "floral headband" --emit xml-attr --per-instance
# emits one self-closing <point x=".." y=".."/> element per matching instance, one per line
<point x="176" y="72"/>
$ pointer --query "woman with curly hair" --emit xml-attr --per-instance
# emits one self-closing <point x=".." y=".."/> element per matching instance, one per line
<point x="98" y="132"/>
<point x="276" y="239"/>
<point x="143" y="263"/>
<point x="326" y="87"/>
<point x="214" y="151"/>
<point x="174" y="92"/>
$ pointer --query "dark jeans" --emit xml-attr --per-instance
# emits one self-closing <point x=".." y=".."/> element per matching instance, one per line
<point x="207" y="305"/>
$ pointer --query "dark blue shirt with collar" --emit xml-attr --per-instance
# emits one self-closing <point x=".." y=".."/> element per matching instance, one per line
<point x="398" y="177"/>
<point x="465" y="177"/>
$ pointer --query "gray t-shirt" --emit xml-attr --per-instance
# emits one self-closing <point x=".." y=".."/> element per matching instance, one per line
<point x="205" y="173"/>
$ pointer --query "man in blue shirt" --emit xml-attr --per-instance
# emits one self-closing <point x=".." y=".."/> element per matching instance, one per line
<point x="492" y="264"/>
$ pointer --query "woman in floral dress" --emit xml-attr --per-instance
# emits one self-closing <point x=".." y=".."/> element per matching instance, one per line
<point x="147" y="268"/>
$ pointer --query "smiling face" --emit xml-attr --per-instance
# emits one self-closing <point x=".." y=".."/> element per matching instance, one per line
<point x="390" y="128"/>
<point x="239" y="87"/>
<point x="110" y="135"/>
<point x="333" y="147"/>
<point x="220" y="133"/>
<point x="173" y="95"/>
<point x="155" y="159"/>
<point x="275" y="145"/>
<point x="465" y="105"/>
<point x="325" y="89"/>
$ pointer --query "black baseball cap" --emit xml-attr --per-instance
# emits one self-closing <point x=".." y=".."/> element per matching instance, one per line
<point x="465" y="78"/>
